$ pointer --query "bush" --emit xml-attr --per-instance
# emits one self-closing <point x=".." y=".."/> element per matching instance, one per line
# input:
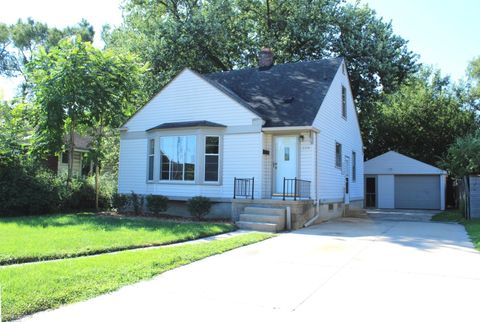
<point x="157" y="203"/>
<point x="119" y="201"/>
<point x="27" y="189"/>
<point x="137" y="203"/>
<point x="199" y="207"/>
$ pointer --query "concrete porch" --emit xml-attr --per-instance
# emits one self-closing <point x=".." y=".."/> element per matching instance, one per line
<point x="272" y="215"/>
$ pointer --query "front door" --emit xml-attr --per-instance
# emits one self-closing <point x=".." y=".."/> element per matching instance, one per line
<point x="285" y="163"/>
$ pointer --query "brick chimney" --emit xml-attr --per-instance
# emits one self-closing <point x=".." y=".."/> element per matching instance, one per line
<point x="265" y="58"/>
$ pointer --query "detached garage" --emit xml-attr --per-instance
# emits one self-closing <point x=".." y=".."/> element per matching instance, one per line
<point x="393" y="180"/>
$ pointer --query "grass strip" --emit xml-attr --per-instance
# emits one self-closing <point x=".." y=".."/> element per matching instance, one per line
<point x="35" y="238"/>
<point x="27" y="289"/>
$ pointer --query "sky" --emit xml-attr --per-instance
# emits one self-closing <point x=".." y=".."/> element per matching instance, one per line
<point x="445" y="33"/>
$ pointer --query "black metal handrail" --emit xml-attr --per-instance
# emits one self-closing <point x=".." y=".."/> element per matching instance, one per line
<point x="243" y="187"/>
<point x="296" y="188"/>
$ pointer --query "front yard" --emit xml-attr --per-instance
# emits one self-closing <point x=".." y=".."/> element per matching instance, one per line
<point x="27" y="239"/>
<point x="31" y="287"/>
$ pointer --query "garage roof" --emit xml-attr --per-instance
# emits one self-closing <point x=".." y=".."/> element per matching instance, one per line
<point x="395" y="163"/>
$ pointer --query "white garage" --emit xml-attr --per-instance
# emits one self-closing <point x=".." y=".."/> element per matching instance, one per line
<point x="393" y="180"/>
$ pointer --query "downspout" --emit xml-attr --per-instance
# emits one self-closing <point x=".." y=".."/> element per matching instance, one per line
<point x="317" y="201"/>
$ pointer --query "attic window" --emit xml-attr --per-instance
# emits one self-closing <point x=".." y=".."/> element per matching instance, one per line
<point x="288" y="99"/>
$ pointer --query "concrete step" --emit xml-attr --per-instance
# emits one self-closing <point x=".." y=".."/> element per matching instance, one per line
<point x="356" y="213"/>
<point x="273" y="219"/>
<point x="260" y="226"/>
<point x="264" y="210"/>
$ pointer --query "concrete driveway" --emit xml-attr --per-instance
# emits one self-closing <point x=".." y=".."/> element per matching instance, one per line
<point x="344" y="270"/>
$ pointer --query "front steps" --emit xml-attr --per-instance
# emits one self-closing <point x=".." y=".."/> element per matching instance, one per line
<point x="262" y="219"/>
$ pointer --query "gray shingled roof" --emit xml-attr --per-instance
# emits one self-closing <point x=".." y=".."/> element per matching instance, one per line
<point x="174" y="125"/>
<point x="283" y="95"/>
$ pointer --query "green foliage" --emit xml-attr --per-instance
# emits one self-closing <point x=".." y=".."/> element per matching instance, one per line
<point x="27" y="289"/>
<point x="73" y="235"/>
<point x="463" y="156"/>
<point x="137" y="201"/>
<point x="420" y="119"/>
<point x="220" y="35"/>
<point x="199" y="207"/>
<point x="27" y="189"/>
<point x="473" y="73"/>
<point x="14" y="129"/>
<point x="19" y="41"/>
<point x="448" y="216"/>
<point x="77" y="86"/>
<point x="119" y="201"/>
<point x="157" y="203"/>
<point x="24" y="191"/>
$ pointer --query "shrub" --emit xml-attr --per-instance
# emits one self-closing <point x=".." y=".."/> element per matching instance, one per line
<point x="137" y="203"/>
<point x="199" y="207"/>
<point x="157" y="203"/>
<point x="119" y="201"/>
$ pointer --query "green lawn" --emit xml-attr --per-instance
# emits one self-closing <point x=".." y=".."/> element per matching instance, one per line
<point x="471" y="226"/>
<point x="26" y="239"/>
<point x="39" y="286"/>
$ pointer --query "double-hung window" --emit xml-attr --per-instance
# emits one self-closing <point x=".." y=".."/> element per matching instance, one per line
<point x="338" y="155"/>
<point x="151" y="158"/>
<point x="212" y="152"/>
<point x="344" y="102"/>
<point x="177" y="158"/>
<point x="354" y="166"/>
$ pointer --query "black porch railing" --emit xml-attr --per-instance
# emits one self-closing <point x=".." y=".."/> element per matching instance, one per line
<point x="243" y="187"/>
<point x="296" y="188"/>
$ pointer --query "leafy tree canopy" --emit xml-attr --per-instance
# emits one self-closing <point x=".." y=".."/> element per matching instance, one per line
<point x="77" y="86"/>
<point x="220" y="35"/>
<point x="19" y="41"/>
<point x="463" y="156"/>
<point x="422" y="118"/>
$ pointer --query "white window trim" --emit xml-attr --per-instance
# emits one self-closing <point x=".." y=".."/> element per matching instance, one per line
<point x="354" y="166"/>
<point x="344" y="107"/>
<point x="341" y="152"/>
<point x="195" y="173"/>
<point x="148" y="159"/>
<point x="211" y="154"/>
<point x="200" y="134"/>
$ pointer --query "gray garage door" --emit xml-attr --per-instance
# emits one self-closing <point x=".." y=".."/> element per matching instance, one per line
<point x="417" y="192"/>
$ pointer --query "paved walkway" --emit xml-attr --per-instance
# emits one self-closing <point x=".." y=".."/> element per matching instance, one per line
<point x="345" y="270"/>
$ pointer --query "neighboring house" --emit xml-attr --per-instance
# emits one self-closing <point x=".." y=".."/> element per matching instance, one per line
<point x="274" y="136"/>
<point x="393" y="180"/>
<point x="81" y="165"/>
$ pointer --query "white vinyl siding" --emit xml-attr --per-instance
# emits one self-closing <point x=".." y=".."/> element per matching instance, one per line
<point x="190" y="98"/>
<point x="334" y="128"/>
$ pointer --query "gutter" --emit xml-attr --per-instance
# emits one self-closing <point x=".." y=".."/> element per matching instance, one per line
<point x="290" y="129"/>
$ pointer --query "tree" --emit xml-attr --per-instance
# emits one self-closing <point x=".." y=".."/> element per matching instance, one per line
<point x="421" y="119"/>
<point x="77" y="87"/>
<point x="221" y="35"/>
<point x="463" y="156"/>
<point x="19" y="41"/>
<point x="473" y="73"/>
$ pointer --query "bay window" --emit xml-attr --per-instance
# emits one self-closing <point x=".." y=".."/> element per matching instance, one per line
<point x="212" y="146"/>
<point x="177" y="158"/>
<point x="151" y="158"/>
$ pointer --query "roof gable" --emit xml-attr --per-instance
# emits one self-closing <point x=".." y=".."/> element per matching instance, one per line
<point x="282" y="95"/>
<point x="395" y="163"/>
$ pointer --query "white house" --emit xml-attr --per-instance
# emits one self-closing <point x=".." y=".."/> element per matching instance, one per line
<point x="275" y="136"/>
<point x="393" y="180"/>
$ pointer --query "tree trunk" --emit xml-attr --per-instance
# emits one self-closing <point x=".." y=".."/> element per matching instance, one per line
<point x="97" y="183"/>
<point x="71" y="149"/>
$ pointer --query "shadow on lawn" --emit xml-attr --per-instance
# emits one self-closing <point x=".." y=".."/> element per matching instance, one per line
<point x="107" y="223"/>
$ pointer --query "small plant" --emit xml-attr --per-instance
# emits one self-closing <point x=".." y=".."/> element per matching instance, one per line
<point x="199" y="207"/>
<point x="157" y="203"/>
<point x="137" y="203"/>
<point x="119" y="201"/>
